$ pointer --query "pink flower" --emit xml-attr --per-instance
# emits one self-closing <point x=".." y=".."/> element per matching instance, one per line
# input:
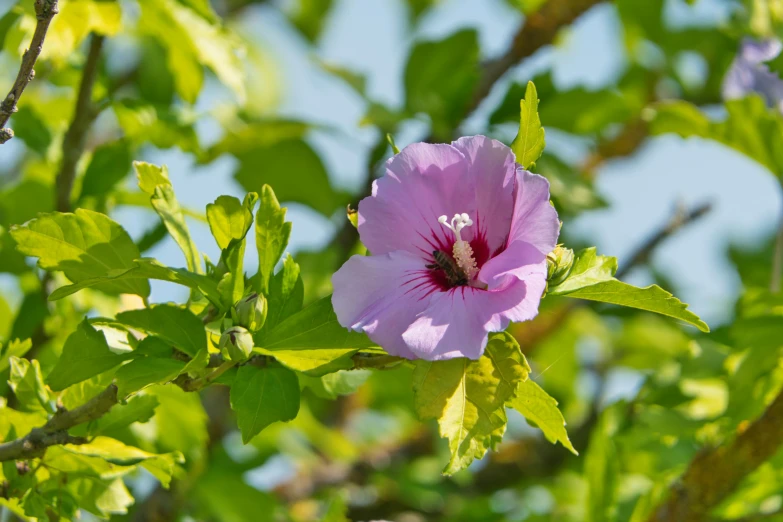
<point x="435" y="287"/>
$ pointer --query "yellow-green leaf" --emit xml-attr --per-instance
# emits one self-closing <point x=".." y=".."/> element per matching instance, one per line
<point x="530" y="141"/>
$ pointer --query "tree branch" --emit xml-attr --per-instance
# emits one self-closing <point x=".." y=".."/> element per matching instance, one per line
<point x="55" y="431"/>
<point x="83" y="116"/>
<point x="681" y="218"/>
<point x="44" y="12"/>
<point x="715" y="473"/>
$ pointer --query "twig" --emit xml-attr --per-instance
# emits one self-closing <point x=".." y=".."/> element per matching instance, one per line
<point x="44" y="12"/>
<point x="539" y="29"/>
<point x="55" y="431"/>
<point x="83" y="116"/>
<point x="680" y="219"/>
<point x="713" y="474"/>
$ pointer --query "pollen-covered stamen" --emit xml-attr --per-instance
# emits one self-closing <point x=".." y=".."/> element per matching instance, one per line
<point x="463" y="253"/>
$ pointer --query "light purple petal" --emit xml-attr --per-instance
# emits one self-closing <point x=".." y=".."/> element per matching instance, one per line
<point x="457" y="322"/>
<point x="421" y="183"/>
<point x="493" y="165"/>
<point x="518" y="261"/>
<point x="757" y="52"/>
<point x="749" y="75"/>
<point x="535" y="219"/>
<point x="381" y="295"/>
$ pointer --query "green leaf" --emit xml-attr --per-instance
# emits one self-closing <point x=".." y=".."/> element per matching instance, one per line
<point x="601" y="468"/>
<point x="467" y="397"/>
<point x="27" y="383"/>
<point x="230" y="222"/>
<point x="286" y="294"/>
<point x="115" y="452"/>
<point x="155" y="181"/>
<point x="139" y="408"/>
<point x="159" y="125"/>
<point x="191" y="42"/>
<point x="34" y="505"/>
<point x="272" y="233"/>
<point x="530" y="141"/>
<point x="440" y="78"/>
<point x="180" y="421"/>
<point x="15" y="348"/>
<point x="166" y="205"/>
<point x="592" y="278"/>
<point x="85" y="355"/>
<point x="750" y="128"/>
<point x="109" y="165"/>
<point x="82" y="245"/>
<point x="527" y="6"/>
<point x="288" y="165"/>
<point x="223" y="493"/>
<point x="147" y="268"/>
<point x="588" y="269"/>
<point x="102" y="498"/>
<point x="309" y="16"/>
<point x="261" y="396"/>
<point x="176" y="325"/>
<point x="142" y="372"/>
<point x="541" y="410"/>
<point x="30" y="127"/>
<point x="313" y="341"/>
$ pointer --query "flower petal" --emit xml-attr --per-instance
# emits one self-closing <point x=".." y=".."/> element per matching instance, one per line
<point x="457" y="322"/>
<point x="518" y="261"/>
<point x="422" y="183"/>
<point x="493" y="166"/>
<point x="381" y="295"/>
<point x="535" y="219"/>
<point x="748" y="74"/>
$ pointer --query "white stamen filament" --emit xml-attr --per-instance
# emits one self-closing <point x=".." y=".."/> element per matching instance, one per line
<point x="463" y="253"/>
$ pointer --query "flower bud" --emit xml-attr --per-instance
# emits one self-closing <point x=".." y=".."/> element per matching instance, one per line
<point x="236" y="344"/>
<point x="251" y="312"/>
<point x="558" y="265"/>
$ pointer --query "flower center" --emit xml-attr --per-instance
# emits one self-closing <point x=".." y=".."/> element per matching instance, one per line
<point x="463" y="254"/>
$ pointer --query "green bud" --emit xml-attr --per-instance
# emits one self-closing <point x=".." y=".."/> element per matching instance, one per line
<point x="558" y="265"/>
<point x="251" y="312"/>
<point x="236" y="344"/>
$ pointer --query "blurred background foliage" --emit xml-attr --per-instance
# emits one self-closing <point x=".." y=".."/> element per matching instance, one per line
<point x="300" y="95"/>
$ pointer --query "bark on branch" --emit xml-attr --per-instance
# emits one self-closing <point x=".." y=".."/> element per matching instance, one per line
<point x="55" y="431"/>
<point x="715" y="473"/>
<point x="44" y="12"/>
<point x="83" y="116"/>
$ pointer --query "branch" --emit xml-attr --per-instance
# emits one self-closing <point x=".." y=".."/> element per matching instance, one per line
<point x="714" y="474"/>
<point x="55" y="431"/>
<point x="681" y="218"/>
<point x="83" y="116"/>
<point x="539" y="29"/>
<point x="44" y="12"/>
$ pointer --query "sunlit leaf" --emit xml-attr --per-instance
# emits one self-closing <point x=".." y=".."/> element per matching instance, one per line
<point x="530" y="140"/>
<point x="467" y="398"/>
<point x="82" y="245"/>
